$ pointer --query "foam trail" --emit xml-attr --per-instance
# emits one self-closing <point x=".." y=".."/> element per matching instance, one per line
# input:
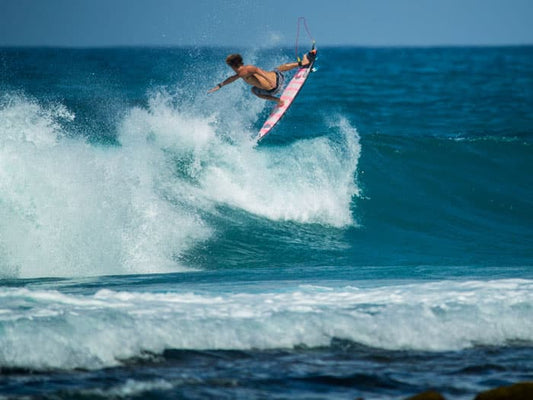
<point x="75" y="331"/>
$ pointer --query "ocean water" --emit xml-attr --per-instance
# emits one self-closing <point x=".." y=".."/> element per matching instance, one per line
<point x="377" y="244"/>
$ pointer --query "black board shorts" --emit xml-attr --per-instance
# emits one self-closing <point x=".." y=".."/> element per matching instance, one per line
<point x="280" y="80"/>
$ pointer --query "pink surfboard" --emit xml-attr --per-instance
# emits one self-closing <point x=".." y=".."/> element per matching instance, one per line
<point x="288" y="96"/>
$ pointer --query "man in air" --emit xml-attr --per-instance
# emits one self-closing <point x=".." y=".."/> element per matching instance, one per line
<point x="266" y="84"/>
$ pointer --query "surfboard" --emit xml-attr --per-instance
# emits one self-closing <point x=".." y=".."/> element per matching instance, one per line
<point x="288" y="95"/>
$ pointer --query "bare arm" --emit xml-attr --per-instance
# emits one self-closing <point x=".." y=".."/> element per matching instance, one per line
<point x="224" y="83"/>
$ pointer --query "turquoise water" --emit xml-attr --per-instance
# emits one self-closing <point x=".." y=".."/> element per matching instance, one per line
<point x="378" y="243"/>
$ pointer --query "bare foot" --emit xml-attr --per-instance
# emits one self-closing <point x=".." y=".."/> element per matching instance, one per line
<point x="280" y="103"/>
<point x="308" y="58"/>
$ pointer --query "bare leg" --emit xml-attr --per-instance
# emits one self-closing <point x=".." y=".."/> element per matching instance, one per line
<point x="271" y="98"/>
<point x="289" y="66"/>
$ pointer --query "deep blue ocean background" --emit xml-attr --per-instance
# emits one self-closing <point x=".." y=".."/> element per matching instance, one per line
<point x="377" y="244"/>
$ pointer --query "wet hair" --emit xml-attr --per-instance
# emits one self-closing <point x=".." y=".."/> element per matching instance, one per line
<point x="234" y="60"/>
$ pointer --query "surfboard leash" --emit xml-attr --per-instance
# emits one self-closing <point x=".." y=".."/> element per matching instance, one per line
<point x="300" y="20"/>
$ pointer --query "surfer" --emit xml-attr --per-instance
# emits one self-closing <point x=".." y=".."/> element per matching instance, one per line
<point x="266" y="84"/>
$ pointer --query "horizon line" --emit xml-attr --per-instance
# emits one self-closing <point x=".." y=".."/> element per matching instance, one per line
<point x="218" y="46"/>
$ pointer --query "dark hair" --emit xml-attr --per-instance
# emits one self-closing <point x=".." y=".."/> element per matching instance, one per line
<point x="234" y="60"/>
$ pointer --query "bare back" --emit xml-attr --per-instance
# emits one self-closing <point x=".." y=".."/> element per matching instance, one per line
<point x="257" y="77"/>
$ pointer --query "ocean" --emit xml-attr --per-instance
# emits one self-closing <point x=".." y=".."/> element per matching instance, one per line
<point x="377" y="244"/>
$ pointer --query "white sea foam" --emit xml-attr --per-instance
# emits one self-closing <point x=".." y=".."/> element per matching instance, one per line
<point x="74" y="331"/>
<point x="310" y="181"/>
<point x="70" y="208"/>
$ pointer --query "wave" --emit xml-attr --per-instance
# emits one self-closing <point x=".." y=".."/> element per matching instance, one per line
<point x="69" y="331"/>
<point x="73" y="208"/>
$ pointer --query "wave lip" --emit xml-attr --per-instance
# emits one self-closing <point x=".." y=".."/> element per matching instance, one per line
<point x="67" y="331"/>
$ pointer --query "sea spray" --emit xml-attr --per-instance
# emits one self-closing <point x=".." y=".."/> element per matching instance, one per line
<point x="309" y="181"/>
<point x="73" y="209"/>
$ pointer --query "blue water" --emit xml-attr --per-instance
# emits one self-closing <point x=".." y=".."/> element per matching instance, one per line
<point x="378" y="243"/>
